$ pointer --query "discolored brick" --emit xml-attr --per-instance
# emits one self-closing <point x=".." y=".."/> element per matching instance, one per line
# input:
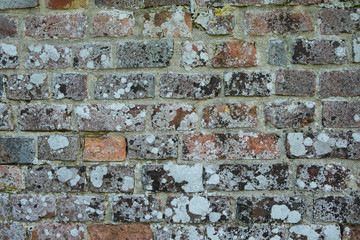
<point x="295" y="82"/>
<point x="315" y="232"/>
<point x="42" y="117"/>
<point x="136" y="208"/>
<point x="247" y="84"/>
<point x="8" y="26"/>
<point x="104" y="149"/>
<point x="66" y="25"/>
<point x="48" y="56"/>
<point x="356" y="49"/>
<point x="12" y="231"/>
<point x="2" y="80"/>
<point x="179" y="232"/>
<point x="120" y="3"/>
<point x="114" y="23"/>
<point x="276" y="53"/>
<point x="11" y="178"/>
<point x="230" y="146"/>
<point x="198" y="209"/>
<point x="216" y="3"/>
<point x="337" y="21"/>
<point x="76" y="208"/>
<point x="67" y="4"/>
<point x="235" y="54"/>
<point x="120" y="232"/>
<point x="155" y="3"/>
<point x="126" y="86"/>
<point x="339" y="114"/>
<point x="58" y="230"/>
<point x="157" y="146"/>
<point x="112" y="179"/>
<point x="111" y="117"/>
<point x="4" y="206"/>
<point x="5" y="117"/>
<point x="69" y="85"/>
<point x="92" y="56"/>
<point x="5" y="4"/>
<point x="194" y="54"/>
<point x="191" y="86"/>
<point x="17" y="150"/>
<point x="343" y="83"/>
<point x="27" y="87"/>
<point x="58" y="147"/>
<point x="222" y="22"/>
<point x="350" y="232"/>
<point x="174" y="116"/>
<point x="8" y="56"/>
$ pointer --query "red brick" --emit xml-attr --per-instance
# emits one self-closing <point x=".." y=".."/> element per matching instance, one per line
<point x="12" y="231"/>
<point x="343" y="83"/>
<point x="194" y="54"/>
<point x="27" y="87"/>
<point x="351" y="232"/>
<point x="258" y="23"/>
<point x="5" y="117"/>
<point x="66" y="4"/>
<point x="8" y="26"/>
<point x="58" y="147"/>
<point x="337" y="21"/>
<point x="105" y="149"/>
<point x="48" y="56"/>
<point x="113" y="23"/>
<point x="69" y="85"/>
<point x="92" y="56"/>
<point x="120" y="232"/>
<point x="231" y="2"/>
<point x="120" y="3"/>
<point x="295" y="82"/>
<point x="112" y="179"/>
<point x="11" y="178"/>
<point x="339" y="114"/>
<point x="154" y="3"/>
<point x="235" y="54"/>
<point x="220" y="23"/>
<point x="57" y="230"/>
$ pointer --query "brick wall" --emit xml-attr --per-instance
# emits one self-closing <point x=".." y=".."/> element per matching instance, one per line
<point x="159" y="119"/>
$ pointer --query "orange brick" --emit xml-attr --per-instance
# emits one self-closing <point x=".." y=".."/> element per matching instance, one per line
<point x="235" y="54"/>
<point x="67" y="4"/>
<point x="105" y="149"/>
<point x="120" y="232"/>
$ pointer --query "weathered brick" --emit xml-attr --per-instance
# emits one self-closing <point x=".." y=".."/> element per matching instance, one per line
<point x="235" y="54"/>
<point x="232" y="115"/>
<point x="231" y="2"/>
<point x="120" y="3"/>
<point x="67" y="4"/>
<point x="27" y="87"/>
<point x="295" y="82"/>
<point x="220" y="23"/>
<point x="126" y="86"/>
<point x="11" y="178"/>
<point x="92" y="56"/>
<point x="2" y="80"/>
<point x="5" y="117"/>
<point x="247" y="83"/>
<point x="174" y="116"/>
<point x="136" y="208"/>
<point x="198" y="209"/>
<point x="179" y="232"/>
<point x="336" y="21"/>
<point x="78" y="208"/>
<point x="194" y="54"/>
<point x="356" y="49"/>
<point x="351" y="232"/>
<point x="12" y="230"/>
<point x="48" y="56"/>
<point x="339" y="114"/>
<point x="56" y="179"/>
<point x="67" y="25"/>
<point x="8" y="26"/>
<point x="8" y="56"/>
<point x="17" y="150"/>
<point x="104" y="149"/>
<point x="42" y="117"/>
<point x="319" y="51"/>
<point x="32" y="208"/>
<point x="341" y="209"/>
<point x="59" y="230"/>
<point x="5" y="4"/>
<point x="329" y="177"/>
<point x="113" y="23"/>
<point x="315" y="232"/>
<point x="192" y="86"/>
<point x="173" y="178"/>
<point x="158" y="146"/>
<point x="139" y="54"/>
<point x="58" y="147"/>
<point x="270" y="209"/>
<point x="343" y="83"/>
<point x="168" y="24"/>
<point x="345" y="145"/>
<point x="120" y="232"/>
<point x="111" y="117"/>
<point x="112" y="179"/>
<point x="4" y="206"/>
<point x="69" y="85"/>
<point x="229" y="146"/>
<point x="239" y="177"/>
<point x="154" y="3"/>
<point x="276" y="53"/>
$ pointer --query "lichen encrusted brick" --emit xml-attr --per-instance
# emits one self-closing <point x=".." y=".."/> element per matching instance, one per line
<point x="230" y="2"/>
<point x="339" y="83"/>
<point x="120" y="231"/>
<point x="276" y="52"/>
<point x="104" y="148"/>
<point x="337" y="21"/>
<point x="58" y="147"/>
<point x="17" y="150"/>
<point x="194" y="54"/>
<point x="46" y="56"/>
<point x="350" y="232"/>
<point x="5" y="4"/>
<point x="9" y="57"/>
<point x="11" y="178"/>
<point x="69" y="85"/>
<point x="291" y="82"/>
<point x="114" y="23"/>
<point x="180" y="231"/>
<point x="4" y="206"/>
<point x="92" y="56"/>
<point x="27" y="87"/>
<point x="356" y="49"/>
<point x="235" y="54"/>
<point x="119" y="3"/>
<point x="5" y="117"/>
<point x="74" y="231"/>
<point x="339" y="114"/>
<point x="247" y="83"/>
<point x="222" y="22"/>
<point x="8" y="26"/>
<point x="314" y="231"/>
<point x="155" y="3"/>
<point x="13" y="231"/>
<point x="67" y="4"/>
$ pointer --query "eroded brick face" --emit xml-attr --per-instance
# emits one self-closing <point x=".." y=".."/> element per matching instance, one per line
<point x="11" y="178"/>
<point x="67" y="4"/>
<point x="17" y="150"/>
<point x="5" y="117"/>
<point x="344" y="83"/>
<point x="295" y="82"/>
<point x="235" y="54"/>
<point x="341" y="114"/>
<point x="8" y="26"/>
<point x="247" y="83"/>
<point x="113" y="23"/>
<point x="69" y="85"/>
<point x="337" y="21"/>
<point x="28" y="87"/>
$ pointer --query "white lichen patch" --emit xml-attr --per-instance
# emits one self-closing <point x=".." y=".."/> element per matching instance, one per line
<point x="282" y="212"/>
<point x="58" y="142"/>
<point x="191" y="175"/>
<point x="8" y="49"/>
<point x="194" y="54"/>
<point x="96" y="176"/>
<point x="296" y="141"/>
<point x="65" y="174"/>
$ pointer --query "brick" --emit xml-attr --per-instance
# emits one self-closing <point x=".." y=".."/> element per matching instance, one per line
<point x="57" y="230"/>
<point x="11" y="178"/>
<point x="41" y="117"/>
<point x="191" y="86"/>
<point x="315" y="232"/>
<point x="5" y="117"/>
<point x="32" y="208"/>
<point x="8" y="26"/>
<point x="111" y="117"/>
<point x="155" y="3"/>
<point x="113" y="23"/>
<point x="319" y="51"/>
<point x="340" y="209"/>
<point x="140" y="54"/>
<point x="120" y="3"/>
<point x="65" y="25"/>
<point x="337" y="21"/>
<point x="174" y="116"/>
<point x="48" y="56"/>
<point x="176" y="24"/>
<point x="5" y="4"/>
<point x="157" y="146"/>
<point x="92" y="56"/>
<point x="125" y="86"/>
<point x="329" y="177"/>
<point x="216" y="3"/>
<point x="239" y="177"/>
<point x="198" y="209"/>
<point x="69" y="85"/>
<point x="339" y="114"/>
<point x="9" y="57"/>
<point x="295" y="82"/>
<point x="222" y="22"/>
<point x="247" y="84"/>
<point x="2" y="80"/>
<point x="194" y="54"/>
<point x="17" y="150"/>
<point x="67" y="4"/>
<point x="232" y="115"/>
<point x="276" y="52"/>
<point x="12" y="231"/>
<point x="297" y="2"/>
<point x="258" y="23"/>
<point x="235" y="54"/>
<point x="27" y="87"/>
<point x="136" y="208"/>
<point x="56" y="179"/>
<point x="230" y="146"/>
<point x="179" y="232"/>
<point x="350" y="232"/>
<point x="173" y="178"/>
<point x="76" y="208"/>
<point x="343" y="83"/>
<point x="58" y="147"/>
<point x="120" y="232"/>
<point x="4" y="206"/>
<point x="270" y="209"/>
<point x="104" y="149"/>
<point x="344" y="145"/>
<point x="112" y="179"/>
<point x="356" y="49"/>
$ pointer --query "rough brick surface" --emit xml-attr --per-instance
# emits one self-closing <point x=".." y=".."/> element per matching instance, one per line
<point x="4" y="4"/>
<point x="356" y="49"/>
<point x="69" y="85"/>
<point x="2" y="79"/>
<point x="315" y="232"/>
<point x="67" y="4"/>
<point x="276" y="53"/>
<point x="120" y="3"/>
<point x="351" y="232"/>
<point x="235" y="54"/>
<point x="58" y="147"/>
<point x="12" y="231"/>
<point x="344" y="83"/>
<point x="5" y="117"/>
<point x="17" y="150"/>
<point x="247" y="83"/>
<point x="295" y="82"/>
<point x="336" y="21"/>
<point x="341" y="114"/>
<point x="11" y="178"/>
<point x="120" y="232"/>
<point x="66" y="231"/>
<point x="154" y="3"/>
<point x="113" y="23"/>
<point x="4" y="206"/>
<point x="8" y="26"/>
<point x="220" y="23"/>
<point x="48" y="56"/>
<point x="104" y="149"/>
<point x="194" y="54"/>
<point x="92" y="56"/>
<point x="27" y="87"/>
<point x="231" y="2"/>
<point x="182" y="232"/>
<point x="8" y="56"/>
